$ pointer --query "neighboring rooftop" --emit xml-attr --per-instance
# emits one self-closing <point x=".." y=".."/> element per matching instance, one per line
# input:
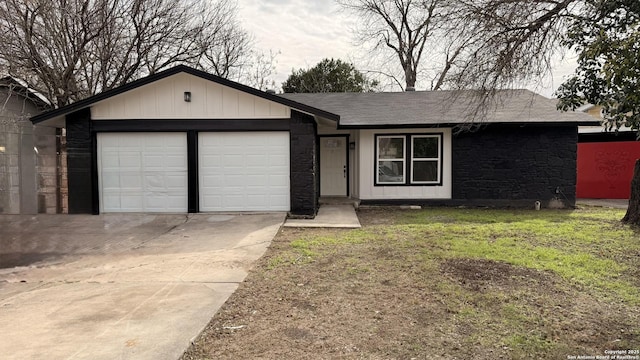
<point x="432" y="108"/>
<point x="23" y="88"/>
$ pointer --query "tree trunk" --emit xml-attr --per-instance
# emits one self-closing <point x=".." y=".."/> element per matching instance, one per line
<point x="633" y="212"/>
<point x="410" y="77"/>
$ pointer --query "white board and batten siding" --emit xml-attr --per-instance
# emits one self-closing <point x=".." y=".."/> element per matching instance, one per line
<point x="367" y="162"/>
<point x="164" y="99"/>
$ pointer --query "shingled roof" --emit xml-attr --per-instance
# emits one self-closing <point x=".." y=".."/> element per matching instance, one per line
<point x="438" y="108"/>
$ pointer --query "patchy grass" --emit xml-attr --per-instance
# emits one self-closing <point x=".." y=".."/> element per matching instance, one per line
<point x="587" y="247"/>
<point x="439" y="283"/>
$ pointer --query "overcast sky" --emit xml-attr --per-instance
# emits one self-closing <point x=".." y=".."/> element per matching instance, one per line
<point x="307" y="31"/>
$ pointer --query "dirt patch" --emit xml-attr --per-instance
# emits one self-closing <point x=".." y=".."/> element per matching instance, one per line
<point x="379" y="215"/>
<point x="393" y="299"/>
<point x="481" y="274"/>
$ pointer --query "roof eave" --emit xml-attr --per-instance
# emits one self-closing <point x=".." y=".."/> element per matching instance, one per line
<point x="449" y="124"/>
<point x="57" y="122"/>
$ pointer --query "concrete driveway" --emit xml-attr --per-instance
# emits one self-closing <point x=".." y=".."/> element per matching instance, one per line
<point x="129" y="286"/>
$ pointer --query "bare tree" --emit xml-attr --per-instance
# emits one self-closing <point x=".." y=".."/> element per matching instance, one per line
<point x="259" y="70"/>
<point x="516" y="40"/>
<point x="412" y="32"/>
<point x="511" y="43"/>
<point x="70" y="49"/>
<point x="468" y="44"/>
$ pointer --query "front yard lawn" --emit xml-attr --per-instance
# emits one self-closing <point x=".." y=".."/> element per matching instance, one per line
<point x="439" y="283"/>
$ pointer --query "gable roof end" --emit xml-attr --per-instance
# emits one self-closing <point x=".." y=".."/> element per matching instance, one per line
<point x="85" y="103"/>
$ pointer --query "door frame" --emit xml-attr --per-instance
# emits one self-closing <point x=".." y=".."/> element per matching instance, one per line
<point x="346" y="156"/>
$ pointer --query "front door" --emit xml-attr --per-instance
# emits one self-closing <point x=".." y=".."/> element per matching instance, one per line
<point x="333" y="166"/>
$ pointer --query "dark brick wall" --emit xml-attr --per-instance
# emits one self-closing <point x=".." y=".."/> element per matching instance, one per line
<point x="515" y="166"/>
<point x="305" y="184"/>
<point x="80" y="162"/>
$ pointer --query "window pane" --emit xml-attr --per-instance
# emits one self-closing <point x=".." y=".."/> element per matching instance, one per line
<point x="425" y="147"/>
<point x="390" y="171"/>
<point x="425" y="171"/>
<point x="391" y="148"/>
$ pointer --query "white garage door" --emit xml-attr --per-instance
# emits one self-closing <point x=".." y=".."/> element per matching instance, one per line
<point x="246" y="171"/>
<point x="142" y="172"/>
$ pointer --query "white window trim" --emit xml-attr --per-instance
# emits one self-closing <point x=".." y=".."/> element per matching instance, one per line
<point x="437" y="159"/>
<point x="403" y="159"/>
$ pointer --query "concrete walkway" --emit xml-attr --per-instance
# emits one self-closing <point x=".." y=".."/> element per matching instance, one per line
<point x="610" y="203"/>
<point x="120" y="286"/>
<point x="329" y="216"/>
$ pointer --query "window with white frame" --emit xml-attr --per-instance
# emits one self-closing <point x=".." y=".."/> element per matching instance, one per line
<point x="409" y="159"/>
<point x="391" y="159"/>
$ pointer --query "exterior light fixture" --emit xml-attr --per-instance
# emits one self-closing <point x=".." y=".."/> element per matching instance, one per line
<point x="187" y="96"/>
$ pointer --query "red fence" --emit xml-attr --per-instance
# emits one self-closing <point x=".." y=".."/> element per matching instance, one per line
<point x="605" y="169"/>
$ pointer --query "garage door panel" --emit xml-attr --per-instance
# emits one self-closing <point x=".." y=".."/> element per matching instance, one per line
<point x="156" y="203"/>
<point x="278" y="199"/>
<point x="175" y="182"/>
<point x="255" y="159"/>
<point x="233" y="201"/>
<point x="113" y="181"/>
<point x="142" y="172"/>
<point x="282" y="161"/>
<point x="130" y="202"/>
<point x="255" y="192"/>
<point x="244" y="171"/>
<point x="252" y="172"/>
<point x="209" y="160"/>
<point x="164" y="163"/>
<point x="209" y="179"/>
<point x="160" y="180"/>
<point x="154" y="161"/>
<point x="110" y="181"/>
<point x="277" y="180"/>
<point x="108" y="142"/>
<point x="129" y="181"/>
<point x="257" y="199"/>
<point x="175" y="162"/>
<point x="209" y="201"/>
<point x="156" y="183"/>
<point x="232" y="161"/>
<point x="110" y="160"/>
<point x="158" y="143"/>
<point x="256" y="179"/>
<point x="278" y="169"/>
<point x="110" y="201"/>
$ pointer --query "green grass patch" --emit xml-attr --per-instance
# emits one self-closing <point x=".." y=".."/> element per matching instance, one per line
<point x="529" y="345"/>
<point x="587" y="247"/>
